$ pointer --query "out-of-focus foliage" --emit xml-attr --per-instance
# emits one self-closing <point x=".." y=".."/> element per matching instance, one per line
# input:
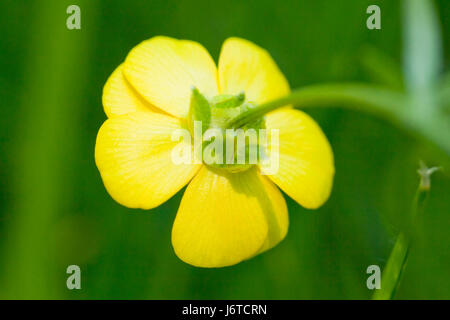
<point x="55" y="211"/>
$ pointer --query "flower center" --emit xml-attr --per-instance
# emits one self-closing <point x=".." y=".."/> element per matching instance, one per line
<point x="231" y="149"/>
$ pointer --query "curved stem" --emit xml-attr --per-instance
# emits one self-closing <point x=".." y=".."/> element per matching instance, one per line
<point x="390" y="105"/>
<point x="355" y="96"/>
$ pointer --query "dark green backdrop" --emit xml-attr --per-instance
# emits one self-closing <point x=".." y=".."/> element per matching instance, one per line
<point x="56" y="212"/>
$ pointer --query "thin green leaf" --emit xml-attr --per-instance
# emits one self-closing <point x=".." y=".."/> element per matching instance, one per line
<point x="422" y="45"/>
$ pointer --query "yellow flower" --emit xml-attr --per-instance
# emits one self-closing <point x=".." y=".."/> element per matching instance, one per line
<point x="224" y="217"/>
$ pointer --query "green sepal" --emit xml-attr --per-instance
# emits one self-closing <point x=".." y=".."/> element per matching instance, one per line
<point x="199" y="110"/>
<point x="224" y="101"/>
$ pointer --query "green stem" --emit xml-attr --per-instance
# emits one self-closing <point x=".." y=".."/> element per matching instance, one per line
<point x="393" y="271"/>
<point x="355" y="96"/>
<point x="390" y="105"/>
<point x="42" y="190"/>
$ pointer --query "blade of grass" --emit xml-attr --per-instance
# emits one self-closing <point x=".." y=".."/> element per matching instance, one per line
<point x="422" y="55"/>
<point x="422" y="51"/>
<point x="396" y="264"/>
<point x="45" y="140"/>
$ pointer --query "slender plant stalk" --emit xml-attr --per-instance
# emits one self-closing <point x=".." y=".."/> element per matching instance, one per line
<point x="357" y="96"/>
<point x="54" y="76"/>
<point x="380" y="102"/>
<point x="393" y="271"/>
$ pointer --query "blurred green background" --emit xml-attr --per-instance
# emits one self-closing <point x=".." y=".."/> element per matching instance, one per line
<point x="55" y="211"/>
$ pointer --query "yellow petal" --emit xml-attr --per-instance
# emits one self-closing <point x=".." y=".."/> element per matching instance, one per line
<point x="244" y="66"/>
<point x="121" y="98"/>
<point x="163" y="70"/>
<point x="224" y="218"/>
<point x="306" y="165"/>
<point x="134" y="156"/>
<point x="278" y="219"/>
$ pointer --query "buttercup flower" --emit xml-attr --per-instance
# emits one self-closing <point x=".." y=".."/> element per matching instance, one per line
<point x="225" y="216"/>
